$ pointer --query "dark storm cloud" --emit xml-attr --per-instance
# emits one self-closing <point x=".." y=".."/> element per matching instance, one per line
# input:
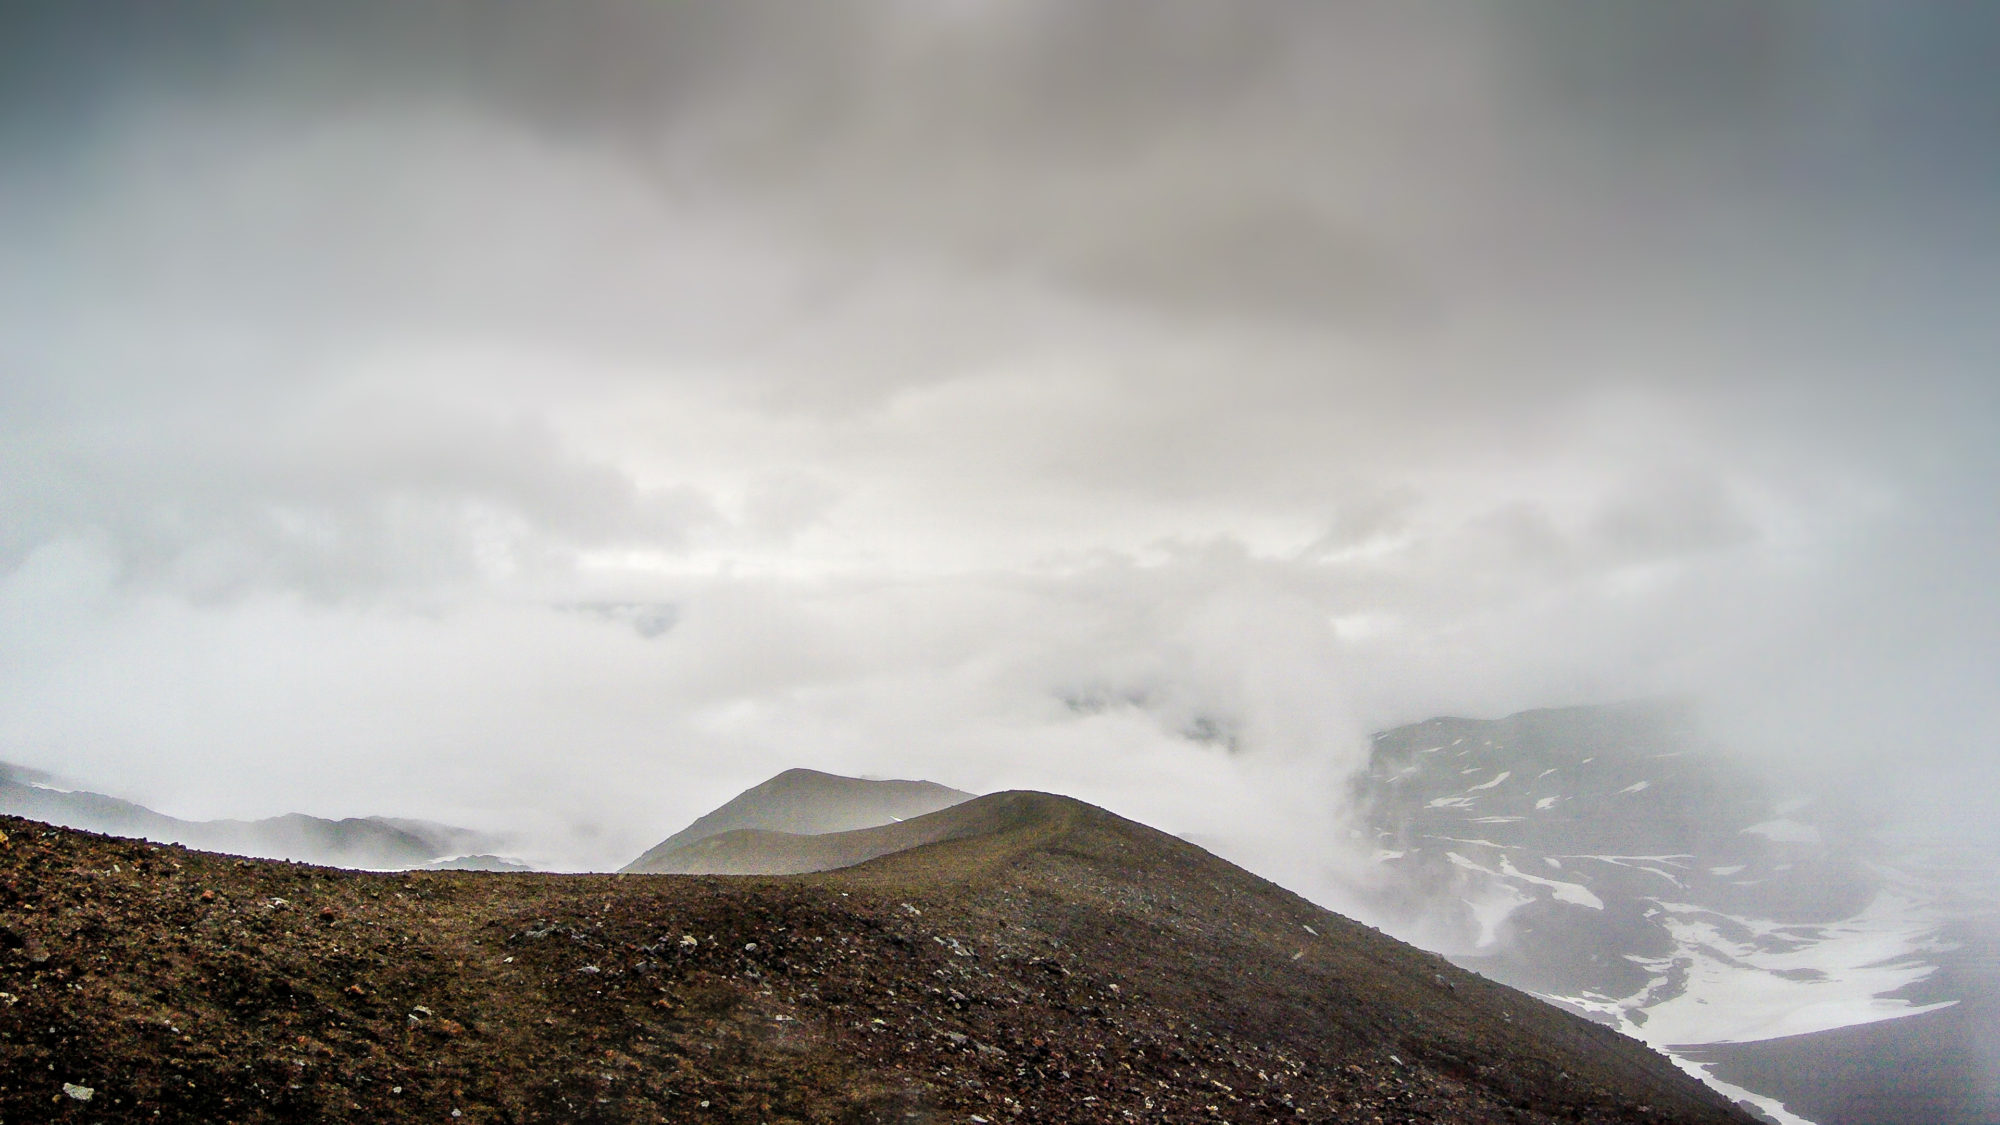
<point x="1339" y="165"/>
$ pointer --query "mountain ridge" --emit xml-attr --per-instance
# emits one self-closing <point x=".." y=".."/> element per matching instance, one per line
<point x="798" y="802"/>
<point x="1063" y="965"/>
<point x="375" y="842"/>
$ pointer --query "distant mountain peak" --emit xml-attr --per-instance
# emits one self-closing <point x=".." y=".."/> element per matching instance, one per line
<point x="360" y="842"/>
<point x="804" y="802"/>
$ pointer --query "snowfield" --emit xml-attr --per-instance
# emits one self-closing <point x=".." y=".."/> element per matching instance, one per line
<point x="1785" y="980"/>
<point x="1610" y="865"/>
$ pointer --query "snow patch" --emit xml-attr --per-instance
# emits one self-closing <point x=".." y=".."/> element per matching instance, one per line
<point x="1769" y="1106"/>
<point x="1575" y="894"/>
<point x="1783" y="979"/>
<point x="1784" y="831"/>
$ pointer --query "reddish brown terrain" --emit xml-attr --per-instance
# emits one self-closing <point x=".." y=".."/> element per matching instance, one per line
<point x="1059" y="964"/>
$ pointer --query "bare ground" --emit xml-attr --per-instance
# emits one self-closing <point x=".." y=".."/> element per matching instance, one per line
<point x="1066" y="966"/>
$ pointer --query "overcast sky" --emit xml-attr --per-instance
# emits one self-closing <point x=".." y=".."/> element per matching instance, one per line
<point x="558" y="418"/>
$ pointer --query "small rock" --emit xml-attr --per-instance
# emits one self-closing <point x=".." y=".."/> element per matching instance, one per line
<point x="688" y="941"/>
<point x="80" y="1093"/>
<point x="207" y="896"/>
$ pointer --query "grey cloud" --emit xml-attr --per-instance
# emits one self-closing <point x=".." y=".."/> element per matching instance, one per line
<point x="1419" y="167"/>
<point x="1364" y="515"/>
<point x="648" y="619"/>
<point x="340" y="498"/>
<point x="1678" y="514"/>
<point x="1270" y="256"/>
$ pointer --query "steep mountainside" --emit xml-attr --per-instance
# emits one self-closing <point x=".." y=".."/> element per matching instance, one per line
<point x="1058" y="965"/>
<point x="798" y="802"/>
<point x="1606" y="859"/>
<point x="381" y="843"/>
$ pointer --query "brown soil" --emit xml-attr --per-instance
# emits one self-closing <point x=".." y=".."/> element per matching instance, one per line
<point x="1067" y="966"/>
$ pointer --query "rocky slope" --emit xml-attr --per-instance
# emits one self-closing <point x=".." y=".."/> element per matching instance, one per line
<point x="1058" y="965"/>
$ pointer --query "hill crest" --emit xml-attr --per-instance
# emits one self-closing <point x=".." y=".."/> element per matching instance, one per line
<point x="1060" y="965"/>
<point x="803" y="802"/>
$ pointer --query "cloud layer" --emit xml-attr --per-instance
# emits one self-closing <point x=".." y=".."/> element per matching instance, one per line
<point x="1140" y="400"/>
